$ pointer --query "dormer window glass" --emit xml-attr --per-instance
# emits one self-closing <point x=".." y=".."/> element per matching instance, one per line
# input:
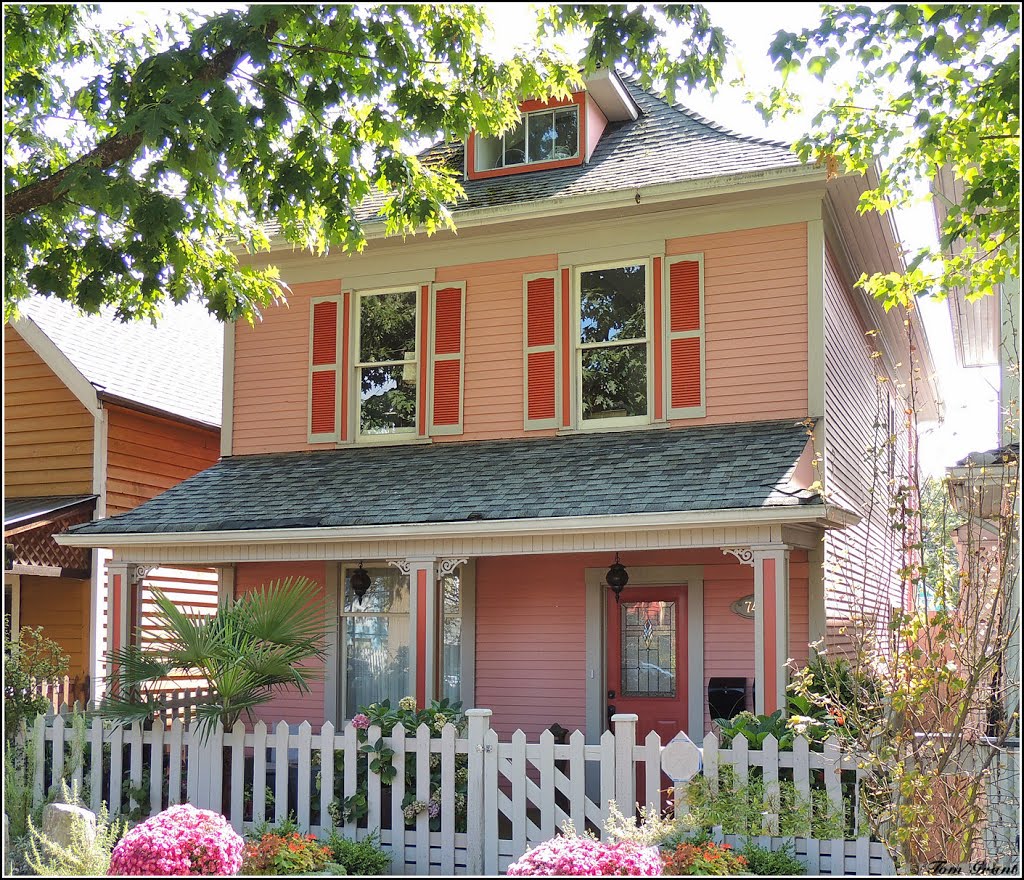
<point x="541" y="136"/>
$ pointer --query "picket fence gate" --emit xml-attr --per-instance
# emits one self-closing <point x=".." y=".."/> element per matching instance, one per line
<point x="516" y="794"/>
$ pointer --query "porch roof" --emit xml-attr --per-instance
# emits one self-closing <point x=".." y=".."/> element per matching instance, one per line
<point x="727" y="467"/>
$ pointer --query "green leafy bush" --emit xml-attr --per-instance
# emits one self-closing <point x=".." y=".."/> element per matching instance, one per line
<point x="740" y="810"/>
<point x="379" y="759"/>
<point x="30" y="656"/>
<point x="780" y="863"/>
<point x="361" y="858"/>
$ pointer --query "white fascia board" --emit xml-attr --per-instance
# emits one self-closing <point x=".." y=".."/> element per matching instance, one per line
<point x="57" y="361"/>
<point x="752" y="181"/>
<point x="605" y="87"/>
<point x="826" y="515"/>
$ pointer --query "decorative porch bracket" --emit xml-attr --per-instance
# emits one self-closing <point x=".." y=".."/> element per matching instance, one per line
<point x="771" y="622"/>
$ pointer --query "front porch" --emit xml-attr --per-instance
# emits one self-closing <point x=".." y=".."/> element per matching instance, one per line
<point x="538" y="636"/>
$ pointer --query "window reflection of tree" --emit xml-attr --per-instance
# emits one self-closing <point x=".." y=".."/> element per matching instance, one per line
<point x="387" y="343"/>
<point x="613" y="309"/>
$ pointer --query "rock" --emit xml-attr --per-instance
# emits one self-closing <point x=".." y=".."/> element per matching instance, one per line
<point x="60" y="820"/>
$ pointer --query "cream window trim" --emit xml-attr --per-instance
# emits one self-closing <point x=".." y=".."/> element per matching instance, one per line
<point x="13" y="581"/>
<point x="404" y="435"/>
<point x="332" y="436"/>
<point x="683" y="412"/>
<point x="576" y="365"/>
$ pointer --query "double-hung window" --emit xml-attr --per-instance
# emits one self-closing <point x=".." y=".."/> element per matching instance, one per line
<point x="613" y="362"/>
<point x="375" y="641"/>
<point x="387" y="363"/>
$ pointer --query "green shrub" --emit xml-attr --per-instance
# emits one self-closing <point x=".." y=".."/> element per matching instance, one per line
<point x="359" y="857"/>
<point x="780" y="863"/>
<point x="31" y="656"/>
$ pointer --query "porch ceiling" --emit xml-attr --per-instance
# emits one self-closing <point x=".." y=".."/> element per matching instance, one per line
<point x="721" y="468"/>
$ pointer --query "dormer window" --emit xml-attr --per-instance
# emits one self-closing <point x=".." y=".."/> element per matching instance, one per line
<point x="542" y="136"/>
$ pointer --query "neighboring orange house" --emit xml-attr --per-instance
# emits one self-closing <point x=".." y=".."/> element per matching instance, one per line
<point x="613" y="365"/>
<point x="99" y="416"/>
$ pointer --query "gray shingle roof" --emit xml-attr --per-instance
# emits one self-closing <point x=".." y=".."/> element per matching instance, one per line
<point x="22" y="510"/>
<point x="648" y="471"/>
<point x="175" y="367"/>
<point x="666" y="144"/>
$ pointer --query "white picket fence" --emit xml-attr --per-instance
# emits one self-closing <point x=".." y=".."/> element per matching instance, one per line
<point x="517" y="793"/>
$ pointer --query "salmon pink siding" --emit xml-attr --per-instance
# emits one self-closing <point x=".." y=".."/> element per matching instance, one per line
<point x="860" y="561"/>
<point x="272" y="375"/>
<point x="531" y="631"/>
<point x="755" y="301"/>
<point x="755" y="322"/>
<point x="531" y="652"/>
<point x="288" y="705"/>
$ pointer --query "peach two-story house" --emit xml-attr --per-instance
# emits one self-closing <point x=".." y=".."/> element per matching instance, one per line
<point x="640" y="362"/>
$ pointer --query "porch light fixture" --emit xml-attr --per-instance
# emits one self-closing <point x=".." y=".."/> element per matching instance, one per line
<point x="617" y="578"/>
<point x="360" y="582"/>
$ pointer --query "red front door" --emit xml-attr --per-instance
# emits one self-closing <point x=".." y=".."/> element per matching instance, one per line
<point x="647" y="658"/>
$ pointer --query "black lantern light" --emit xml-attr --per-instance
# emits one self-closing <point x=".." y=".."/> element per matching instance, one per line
<point x="617" y="577"/>
<point x="360" y="581"/>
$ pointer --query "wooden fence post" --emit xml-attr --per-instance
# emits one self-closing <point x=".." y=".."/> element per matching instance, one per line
<point x="477" y="820"/>
<point x="625" y="774"/>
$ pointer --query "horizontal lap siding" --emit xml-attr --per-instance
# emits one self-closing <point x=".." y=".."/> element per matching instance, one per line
<point x="861" y="561"/>
<point x="147" y="455"/>
<point x="48" y="433"/>
<point x="288" y="704"/>
<point x="61" y="607"/>
<point x="493" y="396"/>
<point x="531" y="631"/>
<point x="272" y="375"/>
<point x="755" y="322"/>
<point x="531" y="657"/>
<point x="192" y="590"/>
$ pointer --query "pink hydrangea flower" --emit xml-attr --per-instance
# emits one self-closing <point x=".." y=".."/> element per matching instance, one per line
<point x="569" y="856"/>
<point x="360" y="721"/>
<point x="179" y="841"/>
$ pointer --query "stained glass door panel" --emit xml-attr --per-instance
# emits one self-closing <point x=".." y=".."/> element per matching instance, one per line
<point x="646" y="670"/>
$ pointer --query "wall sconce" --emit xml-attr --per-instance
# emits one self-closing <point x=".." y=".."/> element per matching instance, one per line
<point x="360" y="582"/>
<point x="617" y="578"/>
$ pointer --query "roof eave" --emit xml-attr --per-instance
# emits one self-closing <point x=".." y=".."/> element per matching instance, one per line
<point x="823" y="515"/>
<point x="751" y="181"/>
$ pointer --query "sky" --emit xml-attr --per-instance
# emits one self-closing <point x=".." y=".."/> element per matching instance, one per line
<point x="969" y="395"/>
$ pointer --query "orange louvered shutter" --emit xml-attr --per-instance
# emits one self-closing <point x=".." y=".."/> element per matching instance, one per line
<point x="685" y="338"/>
<point x="446" y="404"/>
<point x="324" y="372"/>
<point x="541" y="351"/>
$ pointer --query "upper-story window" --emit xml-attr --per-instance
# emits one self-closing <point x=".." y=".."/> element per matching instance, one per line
<point x="386" y="364"/>
<point x="612" y="353"/>
<point x="549" y="135"/>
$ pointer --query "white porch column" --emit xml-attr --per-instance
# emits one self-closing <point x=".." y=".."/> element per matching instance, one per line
<point x="771" y="626"/>
<point x="422" y="571"/>
<point x="225" y="584"/>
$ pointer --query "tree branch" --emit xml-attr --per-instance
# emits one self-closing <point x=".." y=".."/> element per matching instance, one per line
<point x="118" y="147"/>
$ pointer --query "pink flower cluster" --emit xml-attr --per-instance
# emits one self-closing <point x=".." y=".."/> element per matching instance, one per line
<point x="179" y="841"/>
<point x="360" y="721"/>
<point x="569" y="856"/>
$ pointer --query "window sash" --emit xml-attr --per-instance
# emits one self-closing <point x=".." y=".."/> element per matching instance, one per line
<point x="581" y="347"/>
<point x="359" y="364"/>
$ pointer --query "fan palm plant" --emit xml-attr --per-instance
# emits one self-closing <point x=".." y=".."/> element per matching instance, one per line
<point x="244" y="651"/>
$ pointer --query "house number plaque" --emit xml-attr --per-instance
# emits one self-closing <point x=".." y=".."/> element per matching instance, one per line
<point x="744" y="606"/>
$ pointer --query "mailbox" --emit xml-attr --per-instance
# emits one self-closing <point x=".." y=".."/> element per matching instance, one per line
<point x="727" y="697"/>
